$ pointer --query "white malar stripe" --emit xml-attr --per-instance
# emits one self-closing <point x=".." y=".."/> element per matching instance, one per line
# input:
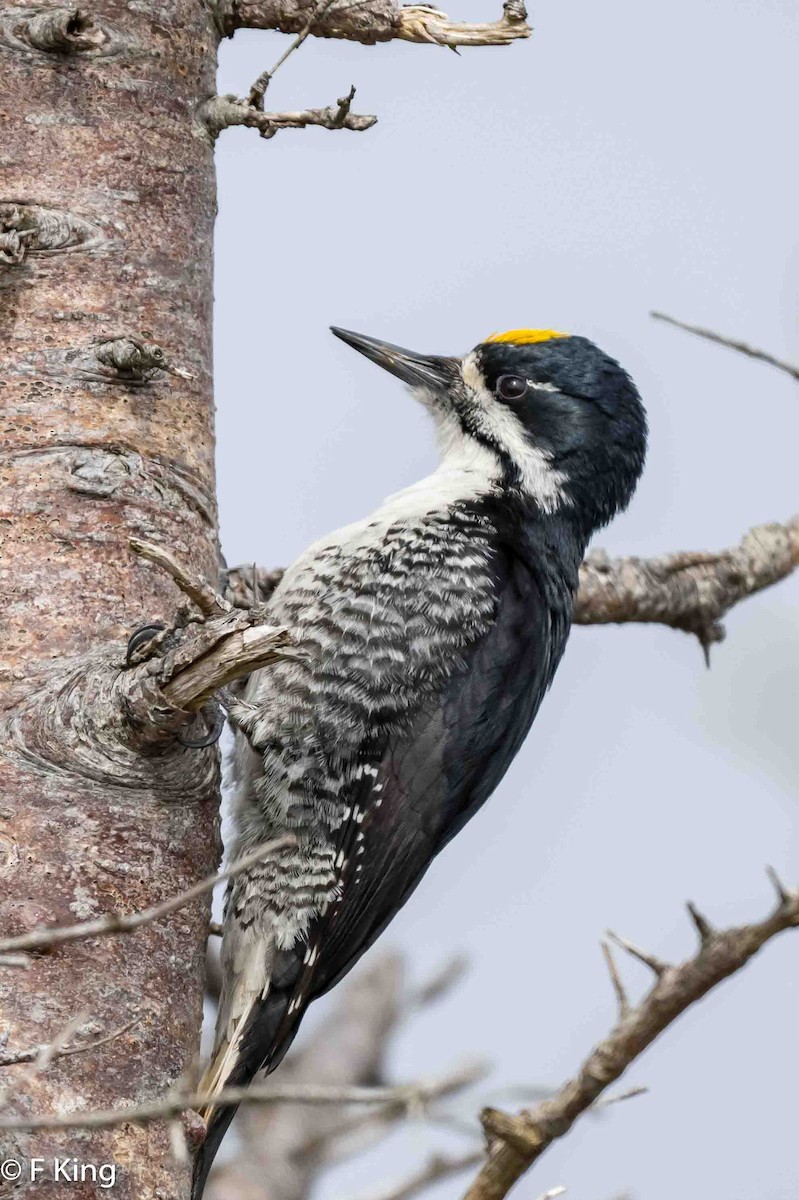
<point x="540" y="480"/>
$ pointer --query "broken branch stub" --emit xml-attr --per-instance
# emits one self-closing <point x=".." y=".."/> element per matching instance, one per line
<point x="186" y="665"/>
<point x="224" y="112"/>
<point x="423" y="23"/>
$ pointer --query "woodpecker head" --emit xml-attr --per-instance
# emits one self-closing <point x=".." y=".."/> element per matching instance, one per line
<point x="564" y="422"/>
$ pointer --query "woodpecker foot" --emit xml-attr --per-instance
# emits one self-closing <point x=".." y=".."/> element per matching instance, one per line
<point x="141" y="638"/>
<point x="213" y="718"/>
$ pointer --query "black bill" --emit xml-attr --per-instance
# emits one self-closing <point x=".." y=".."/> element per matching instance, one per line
<point x="418" y="370"/>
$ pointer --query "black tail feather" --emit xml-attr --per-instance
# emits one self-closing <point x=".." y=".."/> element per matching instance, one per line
<point x="220" y="1122"/>
<point x="266" y="1039"/>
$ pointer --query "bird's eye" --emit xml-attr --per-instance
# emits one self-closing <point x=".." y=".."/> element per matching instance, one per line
<point x="511" y="387"/>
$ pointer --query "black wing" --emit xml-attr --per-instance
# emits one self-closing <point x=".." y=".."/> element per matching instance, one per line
<point x="432" y="778"/>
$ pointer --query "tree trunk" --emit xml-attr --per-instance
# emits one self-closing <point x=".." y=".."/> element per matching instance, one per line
<point x="108" y="202"/>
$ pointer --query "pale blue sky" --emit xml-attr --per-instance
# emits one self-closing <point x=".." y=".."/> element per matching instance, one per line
<point x="628" y="157"/>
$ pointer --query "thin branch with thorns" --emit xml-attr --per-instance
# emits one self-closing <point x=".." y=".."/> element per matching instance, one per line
<point x="518" y="1141"/>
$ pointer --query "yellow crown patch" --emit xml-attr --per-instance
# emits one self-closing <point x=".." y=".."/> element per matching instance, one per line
<point x="526" y="337"/>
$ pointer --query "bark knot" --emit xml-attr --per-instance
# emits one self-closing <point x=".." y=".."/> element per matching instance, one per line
<point x="27" y="229"/>
<point x="63" y="34"/>
<point x="64" y="31"/>
<point x="129" y="359"/>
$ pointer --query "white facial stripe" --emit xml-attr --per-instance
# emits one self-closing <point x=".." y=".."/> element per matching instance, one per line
<point x="539" y="478"/>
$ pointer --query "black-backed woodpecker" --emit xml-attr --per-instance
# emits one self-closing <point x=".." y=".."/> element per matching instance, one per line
<point x="428" y="633"/>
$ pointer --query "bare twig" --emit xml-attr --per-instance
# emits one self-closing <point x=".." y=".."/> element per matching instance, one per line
<point x="186" y="665"/>
<point x="43" y="1057"/>
<point x="703" y="926"/>
<point x="518" y="1141"/>
<point x="378" y="1122"/>
<point x="442" y="981"/>
<point x="198" y="590"/>
<point x="258" y="89"/>
<point x="113" y="923"/>
<point x="10" y="1058"/>
<point x="409" y="1097"/>
<point x="223" y="112"/>
<point x="618" y="987"/>
<point x="649" y="960"/>
<point x="619" y="1097"/>
<point x="710" y="335"/>
<point x="438" y="1168"/>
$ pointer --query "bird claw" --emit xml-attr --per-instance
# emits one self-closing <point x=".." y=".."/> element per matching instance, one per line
<point x="140" y="638"/>
<point x="213" y="729"/>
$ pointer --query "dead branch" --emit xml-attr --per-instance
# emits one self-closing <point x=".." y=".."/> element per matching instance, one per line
<point x="442" y="981"/>
<point x="347" y="1134"/>
<point x="689" y="590"/>
<point x="373" y="21"/>
<point x="114" y="923"/>
<point x="436" y="1169"/>
<point x="721" y="339"/>
<point x="186" y="665"/>
<point x="518" y="1141"/>
<point x="223" y="112"/>
<point x="236" y="654"/>
<point x="423" y="23"/>
<point x="410" y="1098"/>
